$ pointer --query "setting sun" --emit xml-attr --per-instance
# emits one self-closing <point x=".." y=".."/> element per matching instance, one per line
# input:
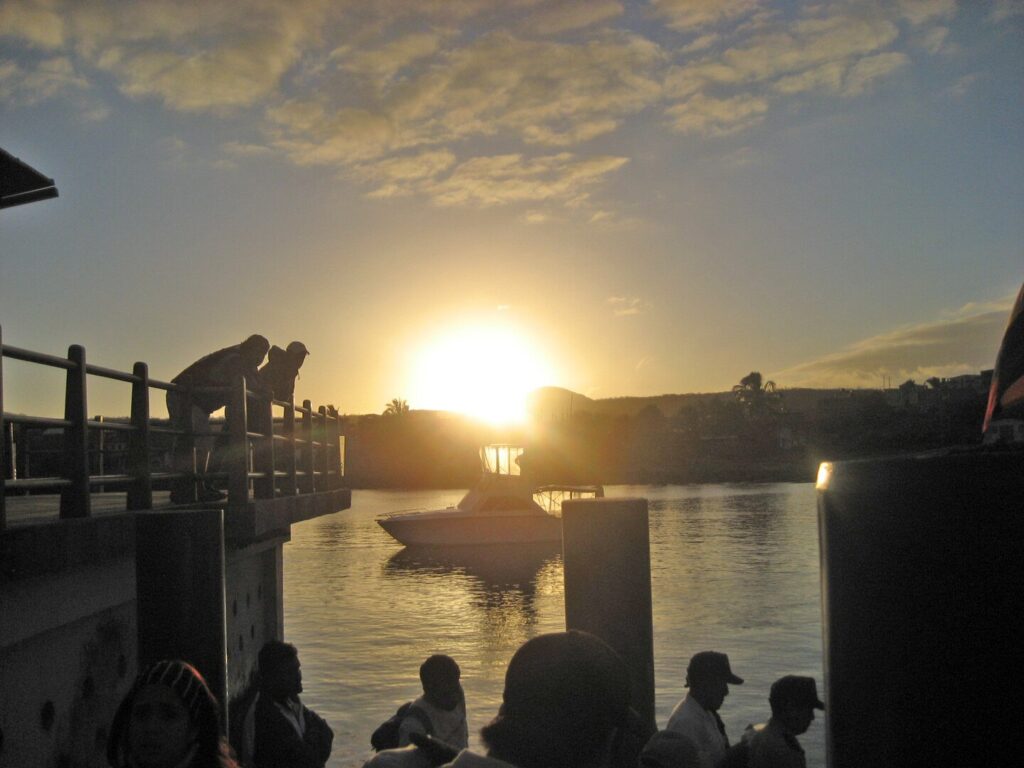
<point x="483" y="372"/>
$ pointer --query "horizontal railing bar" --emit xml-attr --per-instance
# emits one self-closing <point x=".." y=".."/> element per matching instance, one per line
<point x="28" y="356"/>
<point x="39" y="421"/>
<point x="110" y="373"/>
<point x="110" y="479"/>
<point x="114" y="426"/>
<point x="40" y="483"/>
<point x="166" y="430"/>
<point x="168" y="386"/>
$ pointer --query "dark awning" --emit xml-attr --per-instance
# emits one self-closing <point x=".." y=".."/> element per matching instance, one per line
<point x="21" y="183"/>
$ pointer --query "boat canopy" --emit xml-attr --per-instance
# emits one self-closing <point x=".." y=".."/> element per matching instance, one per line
<point x="501" y="460"/>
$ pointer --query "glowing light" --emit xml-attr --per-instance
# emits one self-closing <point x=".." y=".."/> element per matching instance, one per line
<point x="482" y="372"/>
<point x="824" y="476"/>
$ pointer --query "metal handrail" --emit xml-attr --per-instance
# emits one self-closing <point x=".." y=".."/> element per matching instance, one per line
<point x="313" y="463"/>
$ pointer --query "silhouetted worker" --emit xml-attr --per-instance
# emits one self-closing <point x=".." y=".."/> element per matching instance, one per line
<point x="566" y="694"/>
<point x="669" y="749"/>
<point x="217" y="369"/>
<point x="282" y="368"/>
<point x="280" y="732"/>
<point x="793" y="700"/>
<point x="696" y="716"/>
<point x="443" y="703"/>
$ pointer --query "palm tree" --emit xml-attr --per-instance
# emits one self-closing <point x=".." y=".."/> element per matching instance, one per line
<point x="396" y="407"/>
<point x="756" y="397"/>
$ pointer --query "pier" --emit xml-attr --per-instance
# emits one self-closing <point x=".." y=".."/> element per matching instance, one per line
<point x="100" y="574"/>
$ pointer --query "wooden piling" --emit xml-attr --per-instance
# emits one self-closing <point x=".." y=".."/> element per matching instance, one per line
<point x="607" y="557"/>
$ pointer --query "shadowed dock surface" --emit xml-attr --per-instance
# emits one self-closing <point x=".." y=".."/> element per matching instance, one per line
<point x="42" y="508"/>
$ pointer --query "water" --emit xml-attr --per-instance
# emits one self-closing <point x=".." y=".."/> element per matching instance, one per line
<point x="734" y="568"/>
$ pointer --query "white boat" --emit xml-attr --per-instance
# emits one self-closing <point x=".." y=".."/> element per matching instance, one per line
<point x="502" y="508"/>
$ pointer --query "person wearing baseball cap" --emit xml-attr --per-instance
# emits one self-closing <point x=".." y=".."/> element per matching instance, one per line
<point x="566" y="696"/>
<point x="282" y="368"/>
<point x="793" y="699"/>
<point x="708" y="677"/>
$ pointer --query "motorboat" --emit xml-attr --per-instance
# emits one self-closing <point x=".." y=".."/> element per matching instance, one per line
<point x="502" y="508"/>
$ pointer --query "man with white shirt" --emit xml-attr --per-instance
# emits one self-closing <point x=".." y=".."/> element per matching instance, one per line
<point x="443" y="703"/>
<point x="696" y="716"/>
<point x="279" y="730"/>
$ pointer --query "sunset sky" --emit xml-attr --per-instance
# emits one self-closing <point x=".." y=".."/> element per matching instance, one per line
<point x="625" y="198"/>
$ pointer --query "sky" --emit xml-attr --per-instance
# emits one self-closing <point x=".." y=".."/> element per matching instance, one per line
<point x="452" y="201"/>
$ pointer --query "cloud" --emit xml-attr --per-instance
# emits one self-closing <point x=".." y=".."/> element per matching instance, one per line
<point x="685" y="15"/>
<point x="869" y="70"/>
<point x="934" y="40"/>
<point x="708" y="116"/>
<point x="962" y="342"/>
<point x="384" y="62"/>
<point x="553" y="18"/>
<point x="923" y="11"/>
<point x="504" y="179"/>
<point x="48" y="79"/>
<point x="38" y="25"/>
<point x="625" y="306"/>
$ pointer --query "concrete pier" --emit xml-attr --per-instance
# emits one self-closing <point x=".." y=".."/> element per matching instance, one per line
<point x="608" y="584"/>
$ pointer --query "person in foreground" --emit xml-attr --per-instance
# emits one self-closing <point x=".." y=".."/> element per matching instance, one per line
<point x="279" y="731"/>
<point x="566" y="696"/>
<point x="443" y="702"/>
<point x="696" y="716"/>
<point x="793" y="700"/>
<point x="169" y="719"/>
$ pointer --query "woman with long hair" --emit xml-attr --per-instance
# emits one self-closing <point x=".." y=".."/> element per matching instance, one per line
<point x="169" y="719"/>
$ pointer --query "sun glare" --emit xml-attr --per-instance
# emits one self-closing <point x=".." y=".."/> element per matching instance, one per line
<point x="482" y="372"/>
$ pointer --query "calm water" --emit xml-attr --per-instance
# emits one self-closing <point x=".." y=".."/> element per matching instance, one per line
<point x="734" y="568"/>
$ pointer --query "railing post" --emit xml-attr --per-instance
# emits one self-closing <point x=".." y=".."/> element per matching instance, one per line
<point x="74" y="499"/>
<point x="308" y="464"/>
<point x="237" y="463"/>
<point x="288" y="486"/>
<point x="335" y="430"/>
<point x="140" y="492"/>
<point x="183" y="451"/>
<point x="325" y="450"/>
<point x="3" y="448"/>
<point x="263" y="487"/>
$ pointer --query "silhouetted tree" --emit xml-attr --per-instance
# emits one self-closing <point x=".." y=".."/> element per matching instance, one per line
<point x="756" y="396"/>
<point x="396" y="407"/>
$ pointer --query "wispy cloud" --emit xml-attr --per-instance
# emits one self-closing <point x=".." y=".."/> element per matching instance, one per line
<point x="625" y="306"/>
<point x="964" y="341"/>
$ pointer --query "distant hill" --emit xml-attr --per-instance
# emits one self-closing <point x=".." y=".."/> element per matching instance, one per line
<point x="549" y="403"/>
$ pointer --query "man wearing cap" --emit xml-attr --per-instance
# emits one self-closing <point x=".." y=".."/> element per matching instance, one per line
<point x="282" y="368"/>
<point x="566" y="697"/>
<point x="696" y="716"/>
<point x="793" y="700"/>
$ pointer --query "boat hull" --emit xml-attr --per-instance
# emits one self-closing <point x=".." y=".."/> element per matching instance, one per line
<point x="463" y="530"/>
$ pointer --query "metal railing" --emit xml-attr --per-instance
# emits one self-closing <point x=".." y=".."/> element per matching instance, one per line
<point x="264" y="456"/>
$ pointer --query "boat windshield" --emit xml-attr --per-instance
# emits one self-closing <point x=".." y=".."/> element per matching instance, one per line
<point x="501" y="459"/>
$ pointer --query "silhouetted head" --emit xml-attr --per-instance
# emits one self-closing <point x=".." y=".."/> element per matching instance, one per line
<point x="793" y="699"/>
<point x="168" y="715"/>
<point x="565" y="695"/>
<point x="708" y="676"/>
<point x="440" y="677"/>
<point x="298" y="352"/>
<point x="669" y="749"/>
<point x="254" y="349"/>
<point x="280" y="670"/>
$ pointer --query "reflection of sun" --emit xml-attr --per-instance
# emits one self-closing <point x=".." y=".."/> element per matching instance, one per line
<point x="483" y="372"/>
